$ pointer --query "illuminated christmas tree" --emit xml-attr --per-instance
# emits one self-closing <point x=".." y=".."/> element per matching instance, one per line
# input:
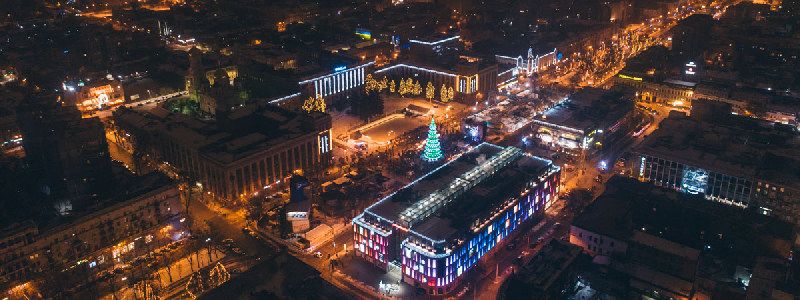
<point x="383" y="84"/>
<point x="417" y="90"/>
<point x="450" y="94"/>
<point x="370" y="84"/>
<point x="433" y="150"/>
<point x="430" y="91"/>
<point x="402" y="88"/>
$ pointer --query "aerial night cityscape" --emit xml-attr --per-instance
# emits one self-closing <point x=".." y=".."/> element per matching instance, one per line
<point x="400" y="149"/>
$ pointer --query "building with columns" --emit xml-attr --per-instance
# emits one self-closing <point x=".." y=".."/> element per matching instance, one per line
<point x="471" y="78"/>
<point x="246" y="149"/>
<point x="342" y="81"/>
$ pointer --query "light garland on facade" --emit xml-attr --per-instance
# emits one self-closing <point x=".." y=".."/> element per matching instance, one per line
<point x="435" y="42"/>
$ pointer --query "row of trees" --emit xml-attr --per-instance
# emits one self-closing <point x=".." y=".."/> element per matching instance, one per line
<point x="407" y="86"/>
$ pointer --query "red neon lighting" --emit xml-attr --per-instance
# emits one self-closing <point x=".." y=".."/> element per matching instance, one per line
<point x="400" y="227"/>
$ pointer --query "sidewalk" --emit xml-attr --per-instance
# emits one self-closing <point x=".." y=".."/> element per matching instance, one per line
<point x="370" y="278"/>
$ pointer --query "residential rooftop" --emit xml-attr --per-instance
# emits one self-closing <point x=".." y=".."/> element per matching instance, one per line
<point x="543" y="271"/>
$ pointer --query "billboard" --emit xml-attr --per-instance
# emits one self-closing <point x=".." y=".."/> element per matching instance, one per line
<point x="694" y="180"/>
<point x="364" y="34"/>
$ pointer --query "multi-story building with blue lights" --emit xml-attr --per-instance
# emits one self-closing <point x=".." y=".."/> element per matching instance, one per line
<point x="440" y="225"/>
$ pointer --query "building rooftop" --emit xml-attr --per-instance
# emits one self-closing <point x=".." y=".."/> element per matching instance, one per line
<point x="393" y="205"/>
<point x="255" y="128"/>
<point x="733" y="145"/>
<point x="588" y="110"/>
<point x="541" y="274"/>
<point x="483" y="200"/>
<point x="448" y="201"/>
<point x="630" y="210"/>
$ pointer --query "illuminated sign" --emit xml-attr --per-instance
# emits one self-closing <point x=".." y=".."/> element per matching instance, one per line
<point x="296" y="215"/>
<point x="691" y="68"/>
<point x="340" y="68"/>
<point x="695" y="180"/>
<point x="623" y="76"/>
<point x="364" y="34"/>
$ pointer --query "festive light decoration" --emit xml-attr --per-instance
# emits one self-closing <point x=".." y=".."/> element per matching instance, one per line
<point x="433" y="150"/>
<point x="435" y="42"/>
<point x="392" y="86"/>
<point x="144" y="290"/>
<point x="284" y="98"/>
<point x="403" y="89"/>
<point x="218" y="275"/>
<point x="314" y="104"/>
<point x="417" y="90"/>
<point x="432" y="262"/>
<point x="430" y="91"/>
<point x="443" y="94"/>
<point x="415" y="68"/>
<point x="450" y="94"/>
<point x="370" y="84"/>
<point x="384" y="83"/>
<point x="194" y="287"/>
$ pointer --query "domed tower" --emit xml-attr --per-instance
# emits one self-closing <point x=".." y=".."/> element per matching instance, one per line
<point x="223" y="94"/>
<point x="194" y="77"/>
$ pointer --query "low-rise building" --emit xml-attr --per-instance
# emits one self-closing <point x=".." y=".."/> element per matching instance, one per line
<point x="442" y="62"/>
<point x="664" y="243"/>
<point x="672" y="92"/>
<point x="143" y="216"/>
<point x="551" y="274"/>
<point x="735" y="160"/>
<point x="586" y="120"/>
<point x="92" y="96"/>
<point x="236" y="155"/>
<point x="439" y="226"/>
